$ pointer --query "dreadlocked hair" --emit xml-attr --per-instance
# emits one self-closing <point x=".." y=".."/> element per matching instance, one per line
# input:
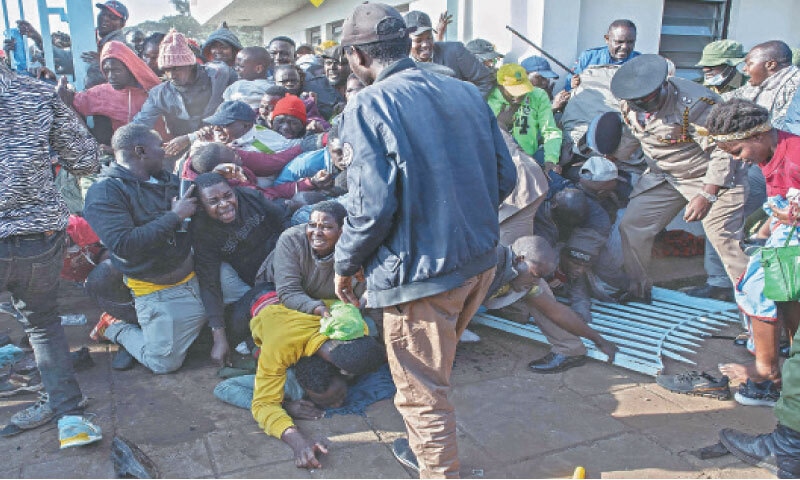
<point x="735" y="116"/>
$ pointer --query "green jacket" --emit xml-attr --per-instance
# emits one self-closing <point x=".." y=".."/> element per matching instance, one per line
<point x="533" y="118"/>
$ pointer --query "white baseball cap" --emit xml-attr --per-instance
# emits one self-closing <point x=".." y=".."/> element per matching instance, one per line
<point x="599" y="169"/>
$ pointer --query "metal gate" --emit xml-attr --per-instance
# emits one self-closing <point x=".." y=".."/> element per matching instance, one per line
<point x="673" y="326"/>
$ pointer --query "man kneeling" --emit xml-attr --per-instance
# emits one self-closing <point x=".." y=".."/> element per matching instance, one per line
<point x="135" y="212"/>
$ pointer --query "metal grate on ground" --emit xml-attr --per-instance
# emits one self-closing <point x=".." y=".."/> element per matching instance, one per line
<point x="673" y="326"/>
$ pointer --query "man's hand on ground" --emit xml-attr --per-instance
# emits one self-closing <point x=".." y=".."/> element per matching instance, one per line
<point x="697" y="209"/>
<point x="220" y="351"/>
<point x="305" y="450"/>
<point x="303" y="410"/>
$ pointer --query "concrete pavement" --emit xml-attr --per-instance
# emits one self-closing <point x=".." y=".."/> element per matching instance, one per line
<point x="511" y="423"/>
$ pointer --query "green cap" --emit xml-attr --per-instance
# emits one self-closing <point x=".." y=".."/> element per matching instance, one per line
<point x="727" y="52"/>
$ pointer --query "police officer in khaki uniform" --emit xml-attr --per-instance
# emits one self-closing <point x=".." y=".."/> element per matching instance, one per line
<point x="666" y="115"/>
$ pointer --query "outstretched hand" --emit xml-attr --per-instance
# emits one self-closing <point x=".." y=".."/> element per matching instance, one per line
<point x="305" y="450"/>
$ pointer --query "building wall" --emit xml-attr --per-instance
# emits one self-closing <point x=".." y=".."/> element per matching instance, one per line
<point x="756" y="21"/>
<point x="562" y="27"/>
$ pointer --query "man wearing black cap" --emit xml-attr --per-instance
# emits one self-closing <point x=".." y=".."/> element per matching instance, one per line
<point x="422" y="218"/>
<point x="685" y="169"/>
<point x="453" y="55"/>
<point x="336" y="71"/>
<point x="110" y="22"/>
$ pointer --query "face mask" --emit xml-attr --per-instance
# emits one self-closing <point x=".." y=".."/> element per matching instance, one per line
<point x="718" y="79"/>
<point x="649" y="105"/>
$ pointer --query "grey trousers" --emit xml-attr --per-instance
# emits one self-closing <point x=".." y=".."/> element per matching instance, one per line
<point x="652" y="210"/>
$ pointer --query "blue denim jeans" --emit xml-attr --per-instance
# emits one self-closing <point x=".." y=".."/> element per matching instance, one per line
<point x="30" y="266"/>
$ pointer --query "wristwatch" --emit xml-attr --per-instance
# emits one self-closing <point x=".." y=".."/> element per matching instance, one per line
<point x="709" y="196"/>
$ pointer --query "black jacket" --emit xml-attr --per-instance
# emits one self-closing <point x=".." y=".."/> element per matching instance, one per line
<point x="429" y="170"/>
<point x="134" y="220"/>
<point x="467" y="66"/>
<point x="244" y="244"/>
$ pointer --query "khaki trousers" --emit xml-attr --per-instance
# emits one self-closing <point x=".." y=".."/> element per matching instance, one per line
<point x="421" y="338"/>
<point x="560" y="340"/>
<point x="652" y="210"/>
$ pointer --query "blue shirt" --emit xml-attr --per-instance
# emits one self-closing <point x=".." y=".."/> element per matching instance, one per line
<point x="595" y="56"/>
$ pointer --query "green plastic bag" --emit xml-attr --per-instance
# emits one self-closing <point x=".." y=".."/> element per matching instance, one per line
<point x="781" y="269"/>
<point x="345" y="323"/>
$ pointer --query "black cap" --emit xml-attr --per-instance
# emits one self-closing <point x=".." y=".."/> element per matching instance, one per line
<point x="372" y="22"/>
<point x="418" y="22"/>
<point x="639" y="77"/>
<point x="605" y="133"/>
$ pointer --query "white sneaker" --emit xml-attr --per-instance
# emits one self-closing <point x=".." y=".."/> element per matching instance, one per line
<point x="470" y="337"/>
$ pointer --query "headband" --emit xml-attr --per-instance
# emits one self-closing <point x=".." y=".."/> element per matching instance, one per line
<point x="732" y="137"/>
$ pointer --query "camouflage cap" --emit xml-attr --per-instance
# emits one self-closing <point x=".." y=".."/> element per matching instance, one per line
<point x="722" y="52"/>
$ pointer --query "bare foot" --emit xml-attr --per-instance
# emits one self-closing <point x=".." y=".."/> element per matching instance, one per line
<point x="739" y="372"/>
<point x="609" y="349"/>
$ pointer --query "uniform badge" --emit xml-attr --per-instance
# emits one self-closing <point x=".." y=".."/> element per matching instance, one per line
<point x="347" y="153"/>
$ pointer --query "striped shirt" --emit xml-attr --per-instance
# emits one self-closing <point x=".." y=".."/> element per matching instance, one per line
<point x="34" y="122"/>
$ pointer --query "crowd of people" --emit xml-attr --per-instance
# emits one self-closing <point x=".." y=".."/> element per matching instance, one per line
<point x="257" y="191"/>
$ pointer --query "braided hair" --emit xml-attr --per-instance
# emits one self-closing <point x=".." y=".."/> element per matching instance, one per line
<point x="735" y="116"/>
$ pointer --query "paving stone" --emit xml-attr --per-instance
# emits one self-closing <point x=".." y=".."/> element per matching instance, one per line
<point x="373" y="460"/>
<point x="608" y="458"/>
<point x="386" y="421"/>
<point x="342" y="431"/>
<point x="11" y="472"/>
<point x="515" y="420"/>
<point x="245" y="448"/>
<point x="596" y="378"/>
<point x="91" y="461"/>
<point x="638" y="408"/>
<point x="182" y="460"/>
<point x="272" y="470"/>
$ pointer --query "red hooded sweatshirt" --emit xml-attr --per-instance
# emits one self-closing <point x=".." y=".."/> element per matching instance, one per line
<point x="119" y="105"/>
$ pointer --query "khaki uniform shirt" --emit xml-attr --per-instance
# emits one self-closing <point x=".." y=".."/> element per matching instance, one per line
<point x="675" y="151"/>
<point x="775" y="94"/>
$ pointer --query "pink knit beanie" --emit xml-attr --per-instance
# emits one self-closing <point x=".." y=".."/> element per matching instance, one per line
<point x="175" y="51"/>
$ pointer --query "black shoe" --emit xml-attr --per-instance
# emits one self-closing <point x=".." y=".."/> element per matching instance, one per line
<point x="758" y="394"/>
<point x="708" y="291"/>
<point x="756" y="450"/>
<point x="556" y="362"/>
<point x="696" y="383"/>
<point x="625" y="296"/>
<point x="122" y="360"/>
<point x="130" y="461"/>
<point x="81" y="360"/>
<point x="402" y="452"/>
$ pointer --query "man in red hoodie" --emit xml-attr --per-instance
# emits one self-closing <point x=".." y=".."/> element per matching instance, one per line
<point x="129" y="81"/>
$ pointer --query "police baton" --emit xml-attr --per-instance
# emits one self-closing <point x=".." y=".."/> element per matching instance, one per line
<point x="540" y="49"/>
